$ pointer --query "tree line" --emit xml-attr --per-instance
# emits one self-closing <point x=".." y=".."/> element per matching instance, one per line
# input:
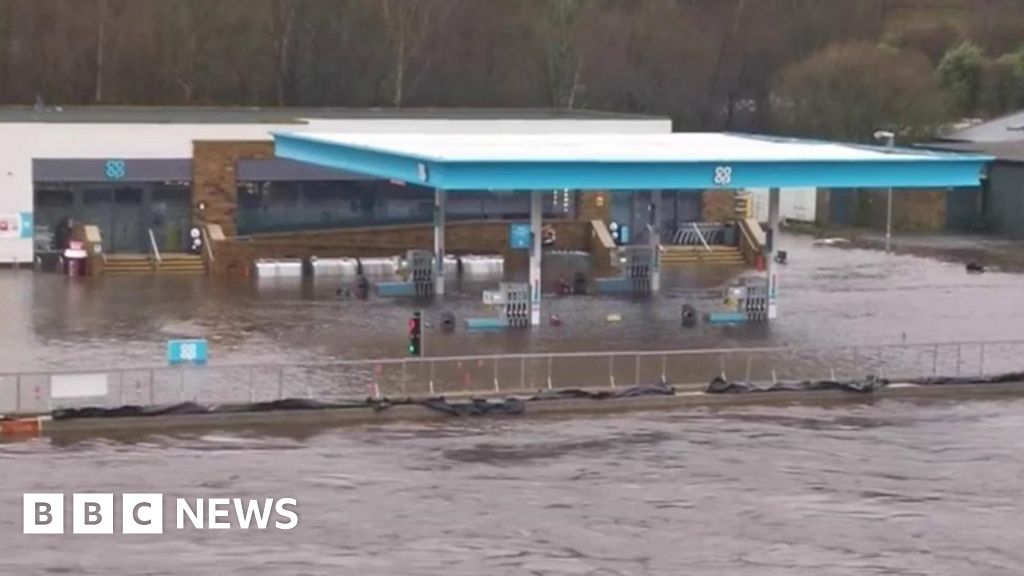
<point x="835" y="68"/>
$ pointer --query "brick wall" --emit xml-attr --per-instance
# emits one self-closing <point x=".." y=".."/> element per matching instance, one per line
<point x="214" y="182"/>
<point x="917" y="210"/>
<point x="474" y="237"/>
<point x="594" y="205"/>
<point x="923" y="210"/>
<point x="717" y="205"/>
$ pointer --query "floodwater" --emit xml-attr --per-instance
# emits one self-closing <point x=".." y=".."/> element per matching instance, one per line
<point x="876" y="488"/>
<point x="827" y="296"/>
<point x="889" y="488"/>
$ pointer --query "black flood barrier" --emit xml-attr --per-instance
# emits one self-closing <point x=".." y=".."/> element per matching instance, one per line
<point x="579" y="393"/>
<point x="993" y="379"/>
<point x="866" y="386"/>
<point x="185" y="408"/>
<point x="477" y="407"/>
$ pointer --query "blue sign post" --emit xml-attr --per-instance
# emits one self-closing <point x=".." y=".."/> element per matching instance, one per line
<point x="186" y="351"/>
<point x="520" y="237"/>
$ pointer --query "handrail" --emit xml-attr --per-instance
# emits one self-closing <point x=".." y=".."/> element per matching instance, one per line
<point x="746" y="240"/>
<point x="152" y="244"/>
<point x="701" y="236"/>
<point x="206" y="242"/>
<point x="545" y="355"/>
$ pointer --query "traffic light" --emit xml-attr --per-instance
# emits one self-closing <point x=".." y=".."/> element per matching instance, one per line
<point x="415" y="335"/>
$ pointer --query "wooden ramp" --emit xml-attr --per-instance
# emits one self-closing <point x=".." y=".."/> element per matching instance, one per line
<point x="725" y="255"/>
<point x="139" y="264"/>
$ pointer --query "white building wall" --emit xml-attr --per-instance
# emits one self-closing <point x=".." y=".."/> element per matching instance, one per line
<point x="794" y="203"/>
<point x="20" y="143"/>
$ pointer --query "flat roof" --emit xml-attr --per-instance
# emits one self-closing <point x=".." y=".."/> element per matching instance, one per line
<point x="627" y="161"/>
<point x="1006" y="128"/>
<point x="1003" y="151"/>
<point x="273" y="115"/>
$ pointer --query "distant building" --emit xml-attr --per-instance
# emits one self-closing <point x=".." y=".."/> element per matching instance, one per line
<point x="1001" y="204"/>
<point x="145" y="175"/>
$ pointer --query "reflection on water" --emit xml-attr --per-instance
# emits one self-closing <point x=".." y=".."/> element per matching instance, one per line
<point x="888" y="488"/>
<point x="827" y="296"/>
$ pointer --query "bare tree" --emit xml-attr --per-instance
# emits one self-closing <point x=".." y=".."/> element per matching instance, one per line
<point x="283" y="27"/>
<point x="563" y="62"/>
<point x="406" y="24"/>
<point x="101" y="32"/>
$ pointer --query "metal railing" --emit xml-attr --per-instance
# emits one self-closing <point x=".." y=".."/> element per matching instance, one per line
<point x="30" y="392"/>
<point x="153" y="246"/>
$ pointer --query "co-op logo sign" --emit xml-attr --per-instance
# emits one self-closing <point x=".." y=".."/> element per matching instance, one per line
<point x="144" y="513"/>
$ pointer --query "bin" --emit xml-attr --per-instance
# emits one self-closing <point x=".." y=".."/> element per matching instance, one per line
<point x="75" y="258"/>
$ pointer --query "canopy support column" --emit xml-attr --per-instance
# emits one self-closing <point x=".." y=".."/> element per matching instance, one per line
<point x="440" y="201"/>
<point x="654" y="233"/>
<point x="536" y="217"/>
<point x="773" y="247"/>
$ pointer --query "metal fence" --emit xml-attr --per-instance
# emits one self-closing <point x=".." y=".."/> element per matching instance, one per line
<point x="34" y="392"/>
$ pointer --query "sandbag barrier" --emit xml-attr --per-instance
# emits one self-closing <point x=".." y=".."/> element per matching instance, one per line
<point x="492" y="406"/>
<point x="862" y="386"/>
<point x="866" y="386"/>
<point x="472" y="407"/>
<point x="1006" y="378"/>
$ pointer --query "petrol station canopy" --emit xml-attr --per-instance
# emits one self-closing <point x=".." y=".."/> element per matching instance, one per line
<point x="676" y="161"/>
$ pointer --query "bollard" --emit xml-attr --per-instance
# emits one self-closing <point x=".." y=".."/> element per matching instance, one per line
<point x="430" y="384"/>
<point x="374" y="388"/>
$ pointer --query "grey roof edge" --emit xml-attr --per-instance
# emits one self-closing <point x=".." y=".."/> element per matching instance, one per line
<point x="1001" y="151"/>
<point x="289" y="115"/>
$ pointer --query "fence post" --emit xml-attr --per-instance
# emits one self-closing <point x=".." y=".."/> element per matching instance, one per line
<point x="981" y="360"/>
<point x="611" y="370"/>
<point x="636" y="370"/>
<point x="549" y="372"/>
<point x="430" y="383"/>
<point x="664" y="374"/>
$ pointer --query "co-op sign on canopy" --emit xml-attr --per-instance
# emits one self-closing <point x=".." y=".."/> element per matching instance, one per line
<point x="144" y="513"/>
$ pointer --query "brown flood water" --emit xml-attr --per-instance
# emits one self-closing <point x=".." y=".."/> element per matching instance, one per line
<point x="891" y="488"/>
<point x="887" y="488"/>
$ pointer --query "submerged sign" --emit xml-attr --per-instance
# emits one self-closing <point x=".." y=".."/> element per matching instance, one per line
<point x="186" y="351"/>
<point x="520" y="237"/>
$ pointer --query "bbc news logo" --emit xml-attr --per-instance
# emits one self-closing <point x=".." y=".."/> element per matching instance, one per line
<point x="144" y="513"/>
